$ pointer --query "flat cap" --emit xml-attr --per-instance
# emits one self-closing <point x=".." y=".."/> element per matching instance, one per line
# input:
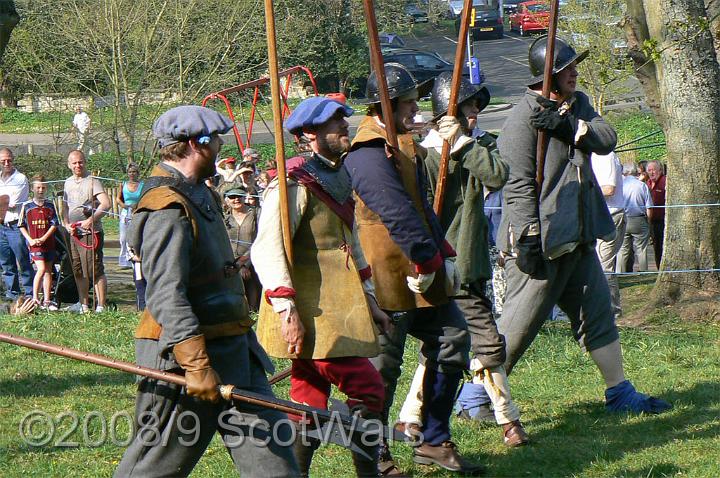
<point x="314" y="112"/>
<point x="189" y="121"/>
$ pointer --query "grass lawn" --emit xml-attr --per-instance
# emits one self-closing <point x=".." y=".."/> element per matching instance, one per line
<point x="558" y="389"/>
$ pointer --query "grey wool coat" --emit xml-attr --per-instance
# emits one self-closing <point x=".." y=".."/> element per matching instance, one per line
<point x="571" y="209"/>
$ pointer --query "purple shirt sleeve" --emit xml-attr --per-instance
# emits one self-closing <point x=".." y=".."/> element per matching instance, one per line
<point x="376" y="181"/>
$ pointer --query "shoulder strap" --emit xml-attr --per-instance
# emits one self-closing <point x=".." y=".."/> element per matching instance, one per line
<point x="160" y="196"/>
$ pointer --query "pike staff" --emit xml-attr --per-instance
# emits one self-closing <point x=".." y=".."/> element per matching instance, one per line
<point x="350" y="424"/>
<point x="542" y="143"/>
<point x="378" y="65"/>
<point x="452" y="106"/>
<point x="278" y="126"/>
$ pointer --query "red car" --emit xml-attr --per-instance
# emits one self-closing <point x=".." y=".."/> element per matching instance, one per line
<point x="533" y="16"/>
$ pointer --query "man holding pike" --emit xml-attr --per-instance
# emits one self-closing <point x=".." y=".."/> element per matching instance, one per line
<point x="548" y="235"/>
<point x="320" y="313"/>
<point x="413" y="272"/>
<point x="196" y="321"/>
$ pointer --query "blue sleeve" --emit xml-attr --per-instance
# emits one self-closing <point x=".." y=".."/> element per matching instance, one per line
<point x="376" y="181"/>
<point x="54" y="219"/>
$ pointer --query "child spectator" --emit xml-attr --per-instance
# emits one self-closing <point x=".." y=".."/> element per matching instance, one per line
<point x="38" y="222"/>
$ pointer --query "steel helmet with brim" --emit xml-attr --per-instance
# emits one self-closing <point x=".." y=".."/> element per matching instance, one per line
<point x="564" y="55"/>
<point x="441" y="94"/>
<point x="399" y="81"/>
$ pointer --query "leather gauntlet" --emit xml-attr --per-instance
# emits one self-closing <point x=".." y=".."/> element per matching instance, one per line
<point x="202" y="381"/>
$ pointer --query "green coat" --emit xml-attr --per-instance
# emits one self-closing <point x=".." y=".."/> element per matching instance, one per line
<point x="475" y="165"/>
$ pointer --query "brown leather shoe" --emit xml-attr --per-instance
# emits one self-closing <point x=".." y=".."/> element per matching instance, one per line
<point x="386" y="464"/>
<point x="447" y="456"/>
<point x="514" y="434"/>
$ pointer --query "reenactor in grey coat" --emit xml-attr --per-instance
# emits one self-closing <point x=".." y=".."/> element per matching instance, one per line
<point x="548" y="236"/>
<point x="196" y="321"/>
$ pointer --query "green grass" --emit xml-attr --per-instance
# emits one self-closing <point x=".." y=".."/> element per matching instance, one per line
<point x="556" y="386"/>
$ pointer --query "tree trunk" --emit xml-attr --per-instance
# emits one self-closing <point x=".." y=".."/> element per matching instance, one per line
<point x="687" y="75"/>
<point x="636" y="32"/>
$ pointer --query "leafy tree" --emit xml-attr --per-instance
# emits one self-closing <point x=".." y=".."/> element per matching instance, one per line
<point x="595" y="25"/>
<point x="122" y="50"/>
<point x="672" y="45"/>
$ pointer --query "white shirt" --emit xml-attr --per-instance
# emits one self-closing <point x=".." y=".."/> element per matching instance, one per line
<point x="608" y="172"/>
<point x="81" y="121"/>
<point x="16" y="186"/>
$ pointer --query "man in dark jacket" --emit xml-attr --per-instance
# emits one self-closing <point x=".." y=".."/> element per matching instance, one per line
<point x="412" y="270"/>
<point x="548" y="236"/>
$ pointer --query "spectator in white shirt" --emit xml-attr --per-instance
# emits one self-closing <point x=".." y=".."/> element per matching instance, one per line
<point x="13" y="249"/>
<point x="608" y="173"/>
<point x="81" y="124"/>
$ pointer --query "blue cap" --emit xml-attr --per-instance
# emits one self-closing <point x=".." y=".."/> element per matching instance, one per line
<point x="185" y="122"/>
<point x="314" y="112"/>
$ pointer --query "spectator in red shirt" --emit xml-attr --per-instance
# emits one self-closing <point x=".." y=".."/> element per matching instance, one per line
<point x="38" y="223"/>
<point x="656" y="183"/>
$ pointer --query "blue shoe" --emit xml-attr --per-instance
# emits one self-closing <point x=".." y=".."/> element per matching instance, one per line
<point x="624" y="398"/>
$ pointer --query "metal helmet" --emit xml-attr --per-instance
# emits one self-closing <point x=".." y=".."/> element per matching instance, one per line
<point x="564" y="55"/>
<point x="441" y="94"/>
<point x="399" y="81"/>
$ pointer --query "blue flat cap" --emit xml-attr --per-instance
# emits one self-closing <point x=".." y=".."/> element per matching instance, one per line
<point x="314" y="112"/>
<point x="185" y="122"/>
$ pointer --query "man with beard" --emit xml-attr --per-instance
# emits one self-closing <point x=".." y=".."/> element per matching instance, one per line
<point x="474" y="164"/>
<point x="320" y="312"/>
<point x="548" y="236"/>
<point x="196" y="321"/>
<point x="412" y="270"/>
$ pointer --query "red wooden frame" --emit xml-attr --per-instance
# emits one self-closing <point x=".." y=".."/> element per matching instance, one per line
<point x="256" y="84"/>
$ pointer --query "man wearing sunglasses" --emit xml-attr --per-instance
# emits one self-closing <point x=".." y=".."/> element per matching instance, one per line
<point x="196" y="321"/>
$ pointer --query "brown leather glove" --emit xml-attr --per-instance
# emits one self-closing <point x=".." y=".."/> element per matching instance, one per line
<point x="202" y="380"/>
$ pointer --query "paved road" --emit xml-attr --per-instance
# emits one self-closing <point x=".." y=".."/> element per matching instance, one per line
<point x="503" y="61"/>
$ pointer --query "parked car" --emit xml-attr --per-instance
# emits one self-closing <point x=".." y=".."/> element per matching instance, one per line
<point x="415" y="14"/>
<point x="531" y="17"/>
<point x="487" y="19"/>
<point x="390" y="40"/>
<point x="510" y="6"/>
<point x="423" y="65"/>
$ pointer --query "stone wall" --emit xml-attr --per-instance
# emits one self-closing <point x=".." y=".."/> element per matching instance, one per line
<point x="34" y="103"/>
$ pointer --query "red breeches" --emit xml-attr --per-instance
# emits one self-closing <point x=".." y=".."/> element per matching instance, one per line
<point x="354" y="376"/>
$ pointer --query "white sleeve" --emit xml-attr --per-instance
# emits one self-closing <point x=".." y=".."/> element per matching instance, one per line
<point x="268" y="251"/>
<point x="605" y="169"/>
<point x="360" y="261"/>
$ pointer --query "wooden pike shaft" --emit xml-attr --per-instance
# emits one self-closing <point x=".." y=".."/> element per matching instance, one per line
<point x="453" y="106"/>
<point x="378" y="65"/>
<point x="277" y="124"/>
<point x="228" y="391"/>
<point x="542" y="143"/>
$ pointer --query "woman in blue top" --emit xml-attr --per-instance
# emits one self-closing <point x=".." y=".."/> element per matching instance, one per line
<point x="127" y="198"/>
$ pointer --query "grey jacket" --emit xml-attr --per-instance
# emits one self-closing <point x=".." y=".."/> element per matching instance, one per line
<point x="572" y="210"/>
<point x="186" y="286"/>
